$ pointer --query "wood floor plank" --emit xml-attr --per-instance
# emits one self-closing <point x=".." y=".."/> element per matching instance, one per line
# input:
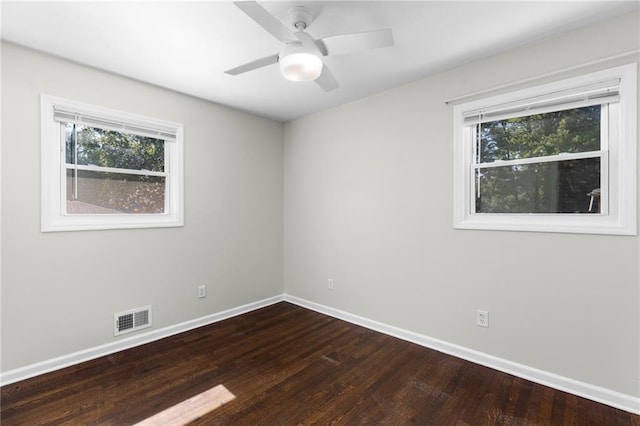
<point x="286" y="365"/>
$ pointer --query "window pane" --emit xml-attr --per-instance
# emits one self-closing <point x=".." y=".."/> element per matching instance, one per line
<point x="570" y="131"/>
<point x="107" y="148"/>
<point x="90" y="192"/>
<point x="553" y="187"/>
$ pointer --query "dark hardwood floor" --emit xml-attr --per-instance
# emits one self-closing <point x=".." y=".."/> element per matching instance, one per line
<point x="285" y="365"/>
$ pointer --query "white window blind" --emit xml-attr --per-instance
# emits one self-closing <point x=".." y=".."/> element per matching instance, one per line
<point x="152" y="130"/>
<point x="601" y="92"/>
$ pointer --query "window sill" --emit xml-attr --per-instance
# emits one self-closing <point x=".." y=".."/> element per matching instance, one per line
<point x="104" y="222"/>
<point x="587" y="224"/>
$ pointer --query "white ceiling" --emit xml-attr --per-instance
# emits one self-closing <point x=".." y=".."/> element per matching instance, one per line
<point x="186" y="46"/>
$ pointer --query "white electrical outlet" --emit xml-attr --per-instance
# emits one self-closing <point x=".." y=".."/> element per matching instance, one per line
<point x="202" y="291"/>
<point x="330" y="284"/>
<point x="482" y="318"/>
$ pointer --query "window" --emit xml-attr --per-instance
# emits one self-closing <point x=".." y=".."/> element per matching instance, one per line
<point x="106" y="169"/>
<point x="557" y="158"/>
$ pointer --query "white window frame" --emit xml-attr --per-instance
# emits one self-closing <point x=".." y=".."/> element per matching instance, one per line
<point x="53" y="167"/>
<point x="618" y="216"/>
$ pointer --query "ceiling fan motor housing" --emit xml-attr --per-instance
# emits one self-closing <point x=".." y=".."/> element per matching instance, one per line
<point x="301" y="60"/>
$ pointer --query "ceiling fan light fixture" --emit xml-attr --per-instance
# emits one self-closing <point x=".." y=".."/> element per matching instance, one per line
<point x="301" y="66"/>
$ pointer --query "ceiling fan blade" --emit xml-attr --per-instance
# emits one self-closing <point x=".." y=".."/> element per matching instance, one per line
<point x="349" y="43"/>
<point x="258" y="63"/>
<point x="326" y="80"/>
<point x="266" y="20"/>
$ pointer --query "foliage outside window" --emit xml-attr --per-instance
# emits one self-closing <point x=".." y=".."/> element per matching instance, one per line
<point x="543" y="163"/>
<point x="113" y="172"/>
<point x="558" y="158"/>
<point x="106" y="169"/>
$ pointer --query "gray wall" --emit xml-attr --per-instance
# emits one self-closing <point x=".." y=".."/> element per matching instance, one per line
<point x="60" y="290"/>
<point x="367" y="190"/>
<point x="368" y="203"/>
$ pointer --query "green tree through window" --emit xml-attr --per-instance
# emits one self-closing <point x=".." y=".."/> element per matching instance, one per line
<point x="123" y="184"/>
<point x="538" y="186"/>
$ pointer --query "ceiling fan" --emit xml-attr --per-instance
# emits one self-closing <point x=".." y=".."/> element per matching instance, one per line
<point x="301" y="55"/>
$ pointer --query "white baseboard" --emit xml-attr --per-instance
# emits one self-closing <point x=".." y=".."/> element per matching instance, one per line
<point x="47" y="366"/>
<point x="596" y="393"/>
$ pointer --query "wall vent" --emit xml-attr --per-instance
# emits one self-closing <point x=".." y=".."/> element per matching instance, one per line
<point x="132" y="320"/>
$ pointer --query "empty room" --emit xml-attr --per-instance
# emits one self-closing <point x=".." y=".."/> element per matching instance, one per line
<point x="323" y="212"/>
